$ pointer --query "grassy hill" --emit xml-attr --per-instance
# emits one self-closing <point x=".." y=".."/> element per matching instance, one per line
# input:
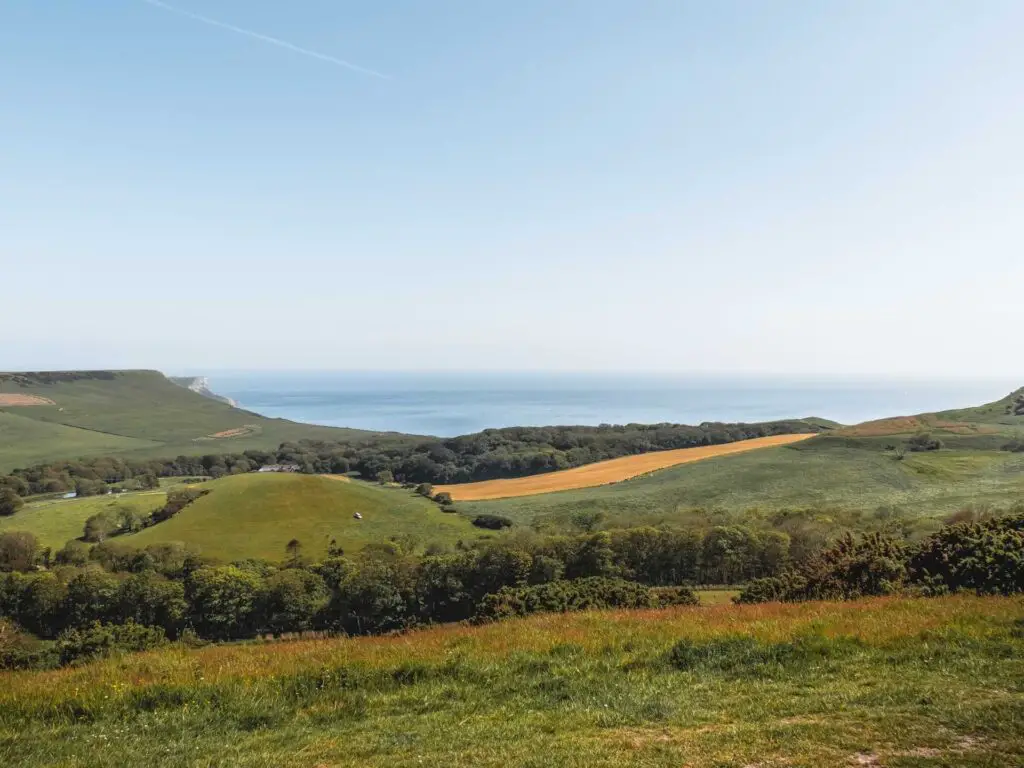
<point x="67" y="415"/>
<point x="256" y="515"/>
<point x="864" y="470"/>
<point x="801" y="685"/>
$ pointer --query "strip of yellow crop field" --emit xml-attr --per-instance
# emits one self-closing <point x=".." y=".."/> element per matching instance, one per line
<point x="605" y="472"/>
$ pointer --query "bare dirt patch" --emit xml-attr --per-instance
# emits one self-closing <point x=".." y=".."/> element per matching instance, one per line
<point x="18" y="401"/>
<point x="243" y="431"/>
<point x="605" y="472"/>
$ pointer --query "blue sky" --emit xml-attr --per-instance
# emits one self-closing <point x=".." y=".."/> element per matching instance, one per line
<point x="812" y="187"/>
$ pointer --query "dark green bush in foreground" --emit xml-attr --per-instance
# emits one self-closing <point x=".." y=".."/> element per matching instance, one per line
<point x="986" y="557"/>
<point x="578" y="595"/>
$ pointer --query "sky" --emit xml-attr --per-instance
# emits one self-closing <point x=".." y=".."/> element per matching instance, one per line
<point x="805" y="187"/>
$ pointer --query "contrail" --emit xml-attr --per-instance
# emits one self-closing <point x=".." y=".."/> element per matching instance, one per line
<point x="266" y="39"/>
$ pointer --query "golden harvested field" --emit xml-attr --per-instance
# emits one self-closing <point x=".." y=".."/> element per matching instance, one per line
<point x="7" y="399"/>
<point x="605" y="472"/>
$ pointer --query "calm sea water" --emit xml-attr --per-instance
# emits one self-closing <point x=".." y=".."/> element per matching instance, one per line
<point x="453" y="404"/>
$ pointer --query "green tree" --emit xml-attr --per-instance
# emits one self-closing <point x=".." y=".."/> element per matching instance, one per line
<point x="75" y="552"/>
<point x="91" y="596"/>
<point x="224" y="601"/>
<point x="152" y="600"/>
<point x="18" y="551"/>
<point x="384" y="477"/>
<point x="10" y="502"/>
<point x="100" y="526"/>
<point x="294" y="551"/>
<point x="293" y="600"/>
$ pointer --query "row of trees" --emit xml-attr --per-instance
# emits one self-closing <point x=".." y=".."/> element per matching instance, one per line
<point x="494" y="453"/>
<point x="385" y="587"/>
<point x="91" y="597"/>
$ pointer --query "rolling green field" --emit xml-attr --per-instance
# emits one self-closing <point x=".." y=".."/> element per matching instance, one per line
<point x="820" y="474"/>
<point x="138" y="414"/>
<point x="25" y="441"/>
<point x="884" y="682"/>
<point x="56" y="521"/>
<point x="256" y="515"/>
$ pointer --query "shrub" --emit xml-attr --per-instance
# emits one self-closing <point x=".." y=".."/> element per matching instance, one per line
<point x="425" y="489"/>
<point x="18" y="551"/>
<point x="1015" y="446"/>
<point x="987" y="557"/>
<point x="564" y="596"/>
<point x="666" y="596"/>
<point x="101" y="640"/>
<point x="177" y="500"/>
<point x="492" y="522"/>
<point x="10" y="501"/>
<point x="20" y="650"/>
<point x="850" y="568"/>
<point x="443" y="498"/>
<point x="923" y="442"/>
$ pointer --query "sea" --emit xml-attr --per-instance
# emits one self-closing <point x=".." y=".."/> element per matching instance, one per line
<point x="449" y="404"/>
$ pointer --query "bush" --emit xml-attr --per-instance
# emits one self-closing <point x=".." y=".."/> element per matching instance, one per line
<point x="425" y="489"/>
<point x="18" y="551"/>
<point x="10" y="501"/>
<point x="444" y="498"/>
<point x="1015" y="446"/>
<point x="101" y="640"/>
<point x="923" y="442"/>
<point x="492" y="522"/>
<point x="20" y="650"/>
<point x="666" y="596"/>
<point x="987" y="557"/>
<point x="850" y="568"/>
<point x="177" y="500"/>
<point x="564" y="596"/>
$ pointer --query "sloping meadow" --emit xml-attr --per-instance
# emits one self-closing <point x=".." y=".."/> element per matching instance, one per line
<point x="894" y="681"/>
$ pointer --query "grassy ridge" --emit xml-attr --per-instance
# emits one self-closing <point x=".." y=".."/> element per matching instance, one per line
<point x="134" y="413"/>
<point x="796" y="685"/>
<point x="255" y="515"/>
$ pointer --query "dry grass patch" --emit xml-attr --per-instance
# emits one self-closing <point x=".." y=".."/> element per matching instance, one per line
<point x="18" y="401"/>
<point x="605" y="472"/>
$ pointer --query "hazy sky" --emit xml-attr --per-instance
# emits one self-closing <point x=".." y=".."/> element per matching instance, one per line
<point x="819" y="187"/>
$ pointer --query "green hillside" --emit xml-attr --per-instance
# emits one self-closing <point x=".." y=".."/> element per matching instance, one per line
<point x="823" y="476"/>
<point x="129" y="413"/>
<point x="25" y="441"/>
<point x="864" y="470"/>
<point x="256" y="515"/>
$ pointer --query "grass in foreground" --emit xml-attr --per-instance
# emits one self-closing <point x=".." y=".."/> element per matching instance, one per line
<point x="892" y="682"/>
<point x="256" y="515"/>
<point x="610" y="471"/>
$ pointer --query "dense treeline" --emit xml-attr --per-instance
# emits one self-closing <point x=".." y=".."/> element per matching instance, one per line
<point x="83" y="597"/>
<point x="986" y="557"/>
<point x="494" y="453"/>
<point x="89" y="601"/>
